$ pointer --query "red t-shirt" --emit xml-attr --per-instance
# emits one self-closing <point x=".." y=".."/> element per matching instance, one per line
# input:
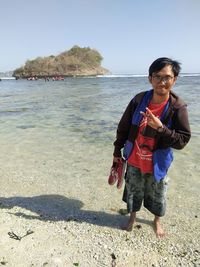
<point x="141" y="156"/>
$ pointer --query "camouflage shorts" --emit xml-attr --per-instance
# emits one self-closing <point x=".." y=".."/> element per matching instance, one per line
<point x="144" y="188"/>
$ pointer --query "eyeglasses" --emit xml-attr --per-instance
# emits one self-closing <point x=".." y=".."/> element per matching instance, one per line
<point x="165" y="79"/>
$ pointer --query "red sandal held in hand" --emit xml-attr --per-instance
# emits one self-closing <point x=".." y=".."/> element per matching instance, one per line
<point x="117" y="173"/>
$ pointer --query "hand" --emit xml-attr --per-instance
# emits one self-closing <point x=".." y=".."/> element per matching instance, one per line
<point x="117" y="159"/>
<point x="153" y="121"/>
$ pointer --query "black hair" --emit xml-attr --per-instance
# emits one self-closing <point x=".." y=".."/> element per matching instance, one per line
<point x="161" y="62"/>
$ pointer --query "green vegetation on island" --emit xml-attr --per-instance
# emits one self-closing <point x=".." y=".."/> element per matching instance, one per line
<point x="75" y="62"/>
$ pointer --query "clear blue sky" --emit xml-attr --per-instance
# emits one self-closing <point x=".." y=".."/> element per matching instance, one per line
<point x="129" y="34"/>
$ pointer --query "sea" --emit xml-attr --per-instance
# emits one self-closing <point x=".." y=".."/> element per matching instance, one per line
<point x="88" y="108"/>
<point x="78" y="115"/>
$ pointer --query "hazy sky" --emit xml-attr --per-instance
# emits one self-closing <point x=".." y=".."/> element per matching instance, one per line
<point x="129" y="34"/>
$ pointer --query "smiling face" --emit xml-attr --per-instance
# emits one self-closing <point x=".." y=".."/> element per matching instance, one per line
<point x="162" y="82"/>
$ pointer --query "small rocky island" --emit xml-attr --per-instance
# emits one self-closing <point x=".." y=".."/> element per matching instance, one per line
<point x="72" y="63"/>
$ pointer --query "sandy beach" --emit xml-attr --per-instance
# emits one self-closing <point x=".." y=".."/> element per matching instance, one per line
<point x="68" y="222"/>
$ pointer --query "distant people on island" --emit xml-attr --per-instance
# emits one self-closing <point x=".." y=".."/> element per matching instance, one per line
<point x="46" y="78"/>
<point x="58" y="78"/>
<point x="32" y="78"/>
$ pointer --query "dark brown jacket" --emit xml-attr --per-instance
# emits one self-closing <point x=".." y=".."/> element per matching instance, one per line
<point x="177" y="136"/>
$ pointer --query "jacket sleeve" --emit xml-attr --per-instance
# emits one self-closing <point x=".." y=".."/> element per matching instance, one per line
<point x="179" y="134"/>
<point x="123" y="129"/>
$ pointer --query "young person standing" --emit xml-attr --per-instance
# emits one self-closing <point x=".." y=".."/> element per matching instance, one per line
<point x="153" y="123"/>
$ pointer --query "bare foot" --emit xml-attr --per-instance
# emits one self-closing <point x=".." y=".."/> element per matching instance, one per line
<point x="158" y="228"/>
<point x="129" y="226"/>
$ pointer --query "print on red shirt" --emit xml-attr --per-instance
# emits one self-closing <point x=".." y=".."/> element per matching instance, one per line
<point x="141" y="156"/>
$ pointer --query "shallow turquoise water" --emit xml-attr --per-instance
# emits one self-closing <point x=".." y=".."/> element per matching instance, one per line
<point x="91" y="106"/>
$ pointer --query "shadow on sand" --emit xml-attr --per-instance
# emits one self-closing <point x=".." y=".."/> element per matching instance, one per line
<point x="60" y="208"/>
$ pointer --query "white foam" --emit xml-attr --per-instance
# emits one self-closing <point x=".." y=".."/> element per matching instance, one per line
<point x="7" y="78"/>
<point x="121" y="75"/>
<point x="189" y="74"/>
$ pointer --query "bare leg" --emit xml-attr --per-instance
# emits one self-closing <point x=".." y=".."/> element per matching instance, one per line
<point x="158" y="228"/>
<point x="129" y="226"/>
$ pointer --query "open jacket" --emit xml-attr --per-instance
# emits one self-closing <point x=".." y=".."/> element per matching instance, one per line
<point x="176" y="133"/>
